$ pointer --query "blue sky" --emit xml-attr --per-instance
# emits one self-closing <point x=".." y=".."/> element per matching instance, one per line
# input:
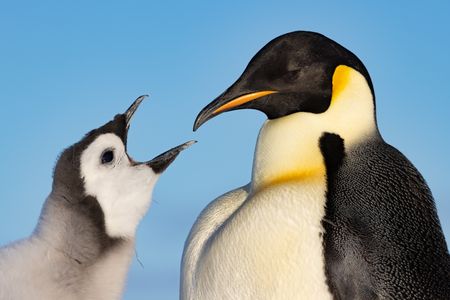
<point x="68" y="66"/>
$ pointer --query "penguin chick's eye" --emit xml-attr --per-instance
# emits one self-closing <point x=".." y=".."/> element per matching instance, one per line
<point x="107" y="156"/>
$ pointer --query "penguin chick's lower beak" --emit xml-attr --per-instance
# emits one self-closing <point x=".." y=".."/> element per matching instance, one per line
<point x="160" y="163"/>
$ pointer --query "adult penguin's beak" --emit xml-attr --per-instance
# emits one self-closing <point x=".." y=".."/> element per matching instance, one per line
<point x="226" y="102"/>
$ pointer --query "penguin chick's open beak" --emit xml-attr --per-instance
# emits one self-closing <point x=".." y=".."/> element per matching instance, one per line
<point x="162" y="161"/>
<point x="223" y="103"/>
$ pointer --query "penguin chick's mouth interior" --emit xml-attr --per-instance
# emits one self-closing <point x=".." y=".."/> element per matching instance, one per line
<point x="158" y="164"/>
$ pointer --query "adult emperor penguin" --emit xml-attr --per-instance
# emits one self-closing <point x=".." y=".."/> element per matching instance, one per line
<point x="84" y="241"/>
<point x="332" y="211"/>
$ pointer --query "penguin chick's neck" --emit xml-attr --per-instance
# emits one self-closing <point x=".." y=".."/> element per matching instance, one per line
<point x="288" y="147"/>
<point x="74" y="243"/>
<point x="74" y="227"/>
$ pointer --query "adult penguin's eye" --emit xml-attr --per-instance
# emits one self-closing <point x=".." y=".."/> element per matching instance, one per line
<point x="292" y="76"/>
<point x="107" y="156"/>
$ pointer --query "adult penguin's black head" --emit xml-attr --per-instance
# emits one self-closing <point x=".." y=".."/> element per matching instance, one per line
<point x="292" y="73"/>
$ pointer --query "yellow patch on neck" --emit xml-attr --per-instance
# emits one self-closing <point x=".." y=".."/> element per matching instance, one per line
<point x="296" y="176"/>
<point x="341" y="78"/>
<point x="288" y="148"/>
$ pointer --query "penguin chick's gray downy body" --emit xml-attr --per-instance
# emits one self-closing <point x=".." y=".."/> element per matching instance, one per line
<point x="332" y="211"/>
<point x="84" y="241"/>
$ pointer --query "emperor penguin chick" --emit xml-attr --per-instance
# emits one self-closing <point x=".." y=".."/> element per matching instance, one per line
<point x="84" y="240"/>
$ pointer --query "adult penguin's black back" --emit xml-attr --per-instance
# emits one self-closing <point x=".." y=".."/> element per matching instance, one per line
<point x="382" y="235"/>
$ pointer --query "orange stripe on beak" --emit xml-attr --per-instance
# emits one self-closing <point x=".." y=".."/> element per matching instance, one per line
<point x="242" y="99"/>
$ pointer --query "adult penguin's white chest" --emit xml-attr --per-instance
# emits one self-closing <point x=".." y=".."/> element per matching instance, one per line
<point x="270" y="248"/>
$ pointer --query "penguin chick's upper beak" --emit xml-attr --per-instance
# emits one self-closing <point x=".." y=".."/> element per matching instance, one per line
<point x="162" y="161"/>
<point x="225" y="103"/>
<point x="132" y="109"/>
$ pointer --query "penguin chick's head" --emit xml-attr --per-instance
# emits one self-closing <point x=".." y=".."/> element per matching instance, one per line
<point x="295" y="72"/>
<point x="98" y="168"/>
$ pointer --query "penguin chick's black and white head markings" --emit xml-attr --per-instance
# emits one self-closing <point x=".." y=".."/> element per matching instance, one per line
<point x="99" y="167"/>
<point x="332" y="211"/>
<point x="84" y="241"/>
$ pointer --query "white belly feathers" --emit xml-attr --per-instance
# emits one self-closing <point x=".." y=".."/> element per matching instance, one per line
<point x="270" y="248"/>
